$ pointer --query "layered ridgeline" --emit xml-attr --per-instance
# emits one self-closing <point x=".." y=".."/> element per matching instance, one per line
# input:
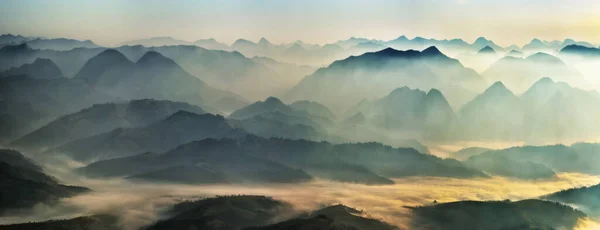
<point x="259" y="212"/>
<point x="346" y="82"/>
<point x="409" y="113"/>
<point x="255" y="159"/>
<point x="584" y="198"/>
<point x="45" y="43"/>
<point x="27" y="103"/>
<point x="40" y="69"/>
<point x="23" y="184"/>
<point x="98" y="119"/>
<point x="152" y="76"/>
<point x="537" y="162"/>
<point x="221" y="69"/>
<point x="548" y="110"/>
<point x="518" y="74"/>
<point x="496" y="215"/>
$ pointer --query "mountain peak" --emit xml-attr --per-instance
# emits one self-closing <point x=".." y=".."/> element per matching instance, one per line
<point x="264" y="42"/>
<point x="487" y="50"/>
<point x="432" y="51"/>
<point x="154" y="58"/>
<point x="15" y="48"/>
<point x="181" y="115"/>
<point x="273" y="100"/>
<point x="496" y="88"/>
<point x="481" y="40"/>
<point x="544" y="57"/>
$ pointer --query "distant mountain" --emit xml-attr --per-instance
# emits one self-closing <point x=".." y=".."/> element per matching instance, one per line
<point x="465" y="153"/>
<point x="25" y="185"/>
<point x="519" y="74"/>
<point x="582" y="51"/>
<point x="487" y="50"/>
<point x="367" y="75"/>
<point x="330" y="218"/>
<point x="503" y="166"/>
<point x="577" y="158"/>
<point x="357" y="163"/>
<point x="586" y="199"/>
<point x="537" y="45"/>
<point x="26" y="103"/>
<point x="495" y="114"/>
<point x="495" y="215"/>
<point x="211" y="44"/>
<point x="296" y="52"/>
<point x="95" y="222"/>
<point x="176" y="129"/>
<point x="152" y="76"/>
<point x="69" y="61"/>
<point x="156" y="41"/>
<point x="60" y="44"/>
<point x="423" y="115"/>
<point x="231" y="212"/>
<point x="314" y="108"/>
<point x="101" y="118"/>
<point x="482" y="42"/>
<point x="515" y="53"/>
<point x="10" y="39"/>
<point x="39" y="69"/>
<point x="227" y="105"/>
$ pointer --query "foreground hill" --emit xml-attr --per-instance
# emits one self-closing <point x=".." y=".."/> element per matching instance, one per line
<point x="23" y="184"/>
<point x="224" y="213"/>
<point x="331" y="218"/>
<point x="101" y="118"/>
<point x="368" y="163"/>
<point x="346" y="82"/>
<point x="584" y="198"/>
<point x="492" y="215"/>
<point x="96" y="222"/>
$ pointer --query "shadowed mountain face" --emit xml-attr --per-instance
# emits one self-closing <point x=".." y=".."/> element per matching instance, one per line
<point x="584" y="198"/>
<point x="95" y="222"/>
<point x="518" y="74"/>
<point x="578" y="50"/>
<point x="530" y="162"/>
<point x="346" y="82"/>
<point x="23" y="184"/>
<point x="152" y="76"/>
<point x="27" y="103"/>
<point x="526" y="214"/>
<point x="176" y="129"/>
<point x="419" y="114"/>
<point x="100" y="118"/>
<point x="40" y="68"/>
<point x="60" y="44"/>
<point x="358" y="163"/>
<point x="225" y="213"/>
<point x="331" y="218"/>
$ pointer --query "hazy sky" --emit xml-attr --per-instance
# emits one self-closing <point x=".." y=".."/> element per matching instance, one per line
<point x="109" y="22"/>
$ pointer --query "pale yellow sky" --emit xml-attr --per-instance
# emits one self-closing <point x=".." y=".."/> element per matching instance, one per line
<point x="110" y="22"/>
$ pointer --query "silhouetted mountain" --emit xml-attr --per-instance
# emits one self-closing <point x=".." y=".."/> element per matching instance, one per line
<point x="515" y="53"/>
<point x="40" y="68"/>
<point x="10" y="39"/>
<point x="495" y="114"/>
<point x="156" y="41"/>
<point x="152" y="76"/>
<point x="101" y="118"/>
<point x="23" y="184"/>
<point x="348" y="81"/>
<point x="337" y="217"/>
<point x="225" y="213"/>
<point x="467" y="215"/>
<point x="519" y="74"/>
<point x="585" y="198"/>
<point x="95" y="222"/>
<point x="178" y="128"/>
